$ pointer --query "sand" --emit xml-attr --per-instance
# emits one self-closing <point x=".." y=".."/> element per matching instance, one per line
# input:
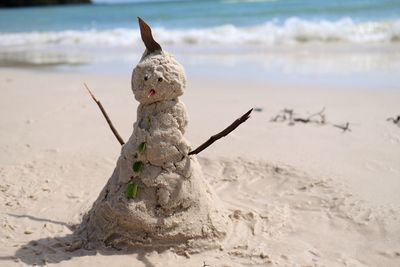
<point x="300" y="195"/>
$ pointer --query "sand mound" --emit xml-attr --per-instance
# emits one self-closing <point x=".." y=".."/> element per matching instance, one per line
<point x="193" y="222"/>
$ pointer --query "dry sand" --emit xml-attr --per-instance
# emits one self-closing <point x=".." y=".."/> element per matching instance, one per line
<point x="300" y="195"/>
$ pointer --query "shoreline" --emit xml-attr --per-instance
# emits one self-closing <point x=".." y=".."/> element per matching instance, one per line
<point x="313" y="65"/>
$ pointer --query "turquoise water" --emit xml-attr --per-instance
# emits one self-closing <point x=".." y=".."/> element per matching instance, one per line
<point x="233" y="22"/>
<point x="193" y="14"/>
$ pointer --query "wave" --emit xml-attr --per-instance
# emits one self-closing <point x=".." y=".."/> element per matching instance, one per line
<point x="292" y="31"/>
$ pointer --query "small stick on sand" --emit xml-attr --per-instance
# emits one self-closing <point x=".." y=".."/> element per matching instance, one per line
<point x="225" y="132"/>
<point x="345" y="127"/>
<point x="288" y="114"/>
<point x="115" y="132"/>
<point x="309" y="118"/>
<point x="320" y="114"/>
<point x="278" y="117"/>
<point x="395" y="120"/>
<point x="282" y="116"/>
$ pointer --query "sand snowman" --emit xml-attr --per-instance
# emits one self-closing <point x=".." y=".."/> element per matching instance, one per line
<point x="157" y="196"/>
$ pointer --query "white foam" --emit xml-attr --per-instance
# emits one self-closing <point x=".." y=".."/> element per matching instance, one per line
<point x="291" y="32"/>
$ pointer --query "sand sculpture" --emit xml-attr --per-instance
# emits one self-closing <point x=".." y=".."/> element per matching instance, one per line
<point x="157" y="195"/>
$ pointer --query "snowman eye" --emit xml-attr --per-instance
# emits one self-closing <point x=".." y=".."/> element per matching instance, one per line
<point x="146" y="78"/>
<point x="160" y="79"/>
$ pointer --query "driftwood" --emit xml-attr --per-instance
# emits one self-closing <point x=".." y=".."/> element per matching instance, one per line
<point x="203" y="146"/>
<point x="115" y="132"/>
<point x="289" y="115"/>
<point x="395" y="120"/>
<point x="316" y="118"/>
<point x="223" y="133"/>
<point x="312" y="117"/>
<point x="286" y="114"/>
<point x="345" y="127"/>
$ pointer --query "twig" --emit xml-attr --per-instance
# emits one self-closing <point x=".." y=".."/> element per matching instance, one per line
<point x="225" y="132"/>
<point x="394" y="120"/>
<point x="282" y="117"/>
<point x="345" y="127"/>
<point x="278" y="117"/>
<point x="321" y="114"/>
<point x="309" y="118"/>
<point x="301" y="120"/>
<point x="289" y="114"/>
<point x="115" y="132"/>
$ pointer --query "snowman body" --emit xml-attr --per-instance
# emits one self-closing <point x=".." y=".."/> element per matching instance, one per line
<point x="172" y="205"/>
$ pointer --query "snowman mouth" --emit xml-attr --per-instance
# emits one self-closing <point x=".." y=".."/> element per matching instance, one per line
<point x="151" y="93"/>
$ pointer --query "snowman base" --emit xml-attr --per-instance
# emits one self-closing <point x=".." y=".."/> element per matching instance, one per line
<point x="116" y="221"/>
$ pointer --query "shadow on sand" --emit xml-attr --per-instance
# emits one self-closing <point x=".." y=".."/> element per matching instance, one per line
<point x="63" y="248"/>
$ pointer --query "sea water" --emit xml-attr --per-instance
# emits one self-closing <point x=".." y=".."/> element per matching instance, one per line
<point x="295" y="37"/>
<point x="204" y="22"/>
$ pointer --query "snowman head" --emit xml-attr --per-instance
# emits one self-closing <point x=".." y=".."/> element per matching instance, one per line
<point x="158" y="76"/>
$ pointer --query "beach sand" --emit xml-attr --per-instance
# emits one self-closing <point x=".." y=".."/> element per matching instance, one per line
<point x="302" y="195"/>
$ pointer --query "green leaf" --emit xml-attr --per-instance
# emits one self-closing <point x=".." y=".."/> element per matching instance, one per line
<point x="131" y="190"/>
<point x="137" y="166"/>
<point x="142" y="147"/>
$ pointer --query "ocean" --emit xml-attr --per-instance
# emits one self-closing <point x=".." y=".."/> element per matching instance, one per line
<point x="199" y="22"/>
<point x="224" y="33"/>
